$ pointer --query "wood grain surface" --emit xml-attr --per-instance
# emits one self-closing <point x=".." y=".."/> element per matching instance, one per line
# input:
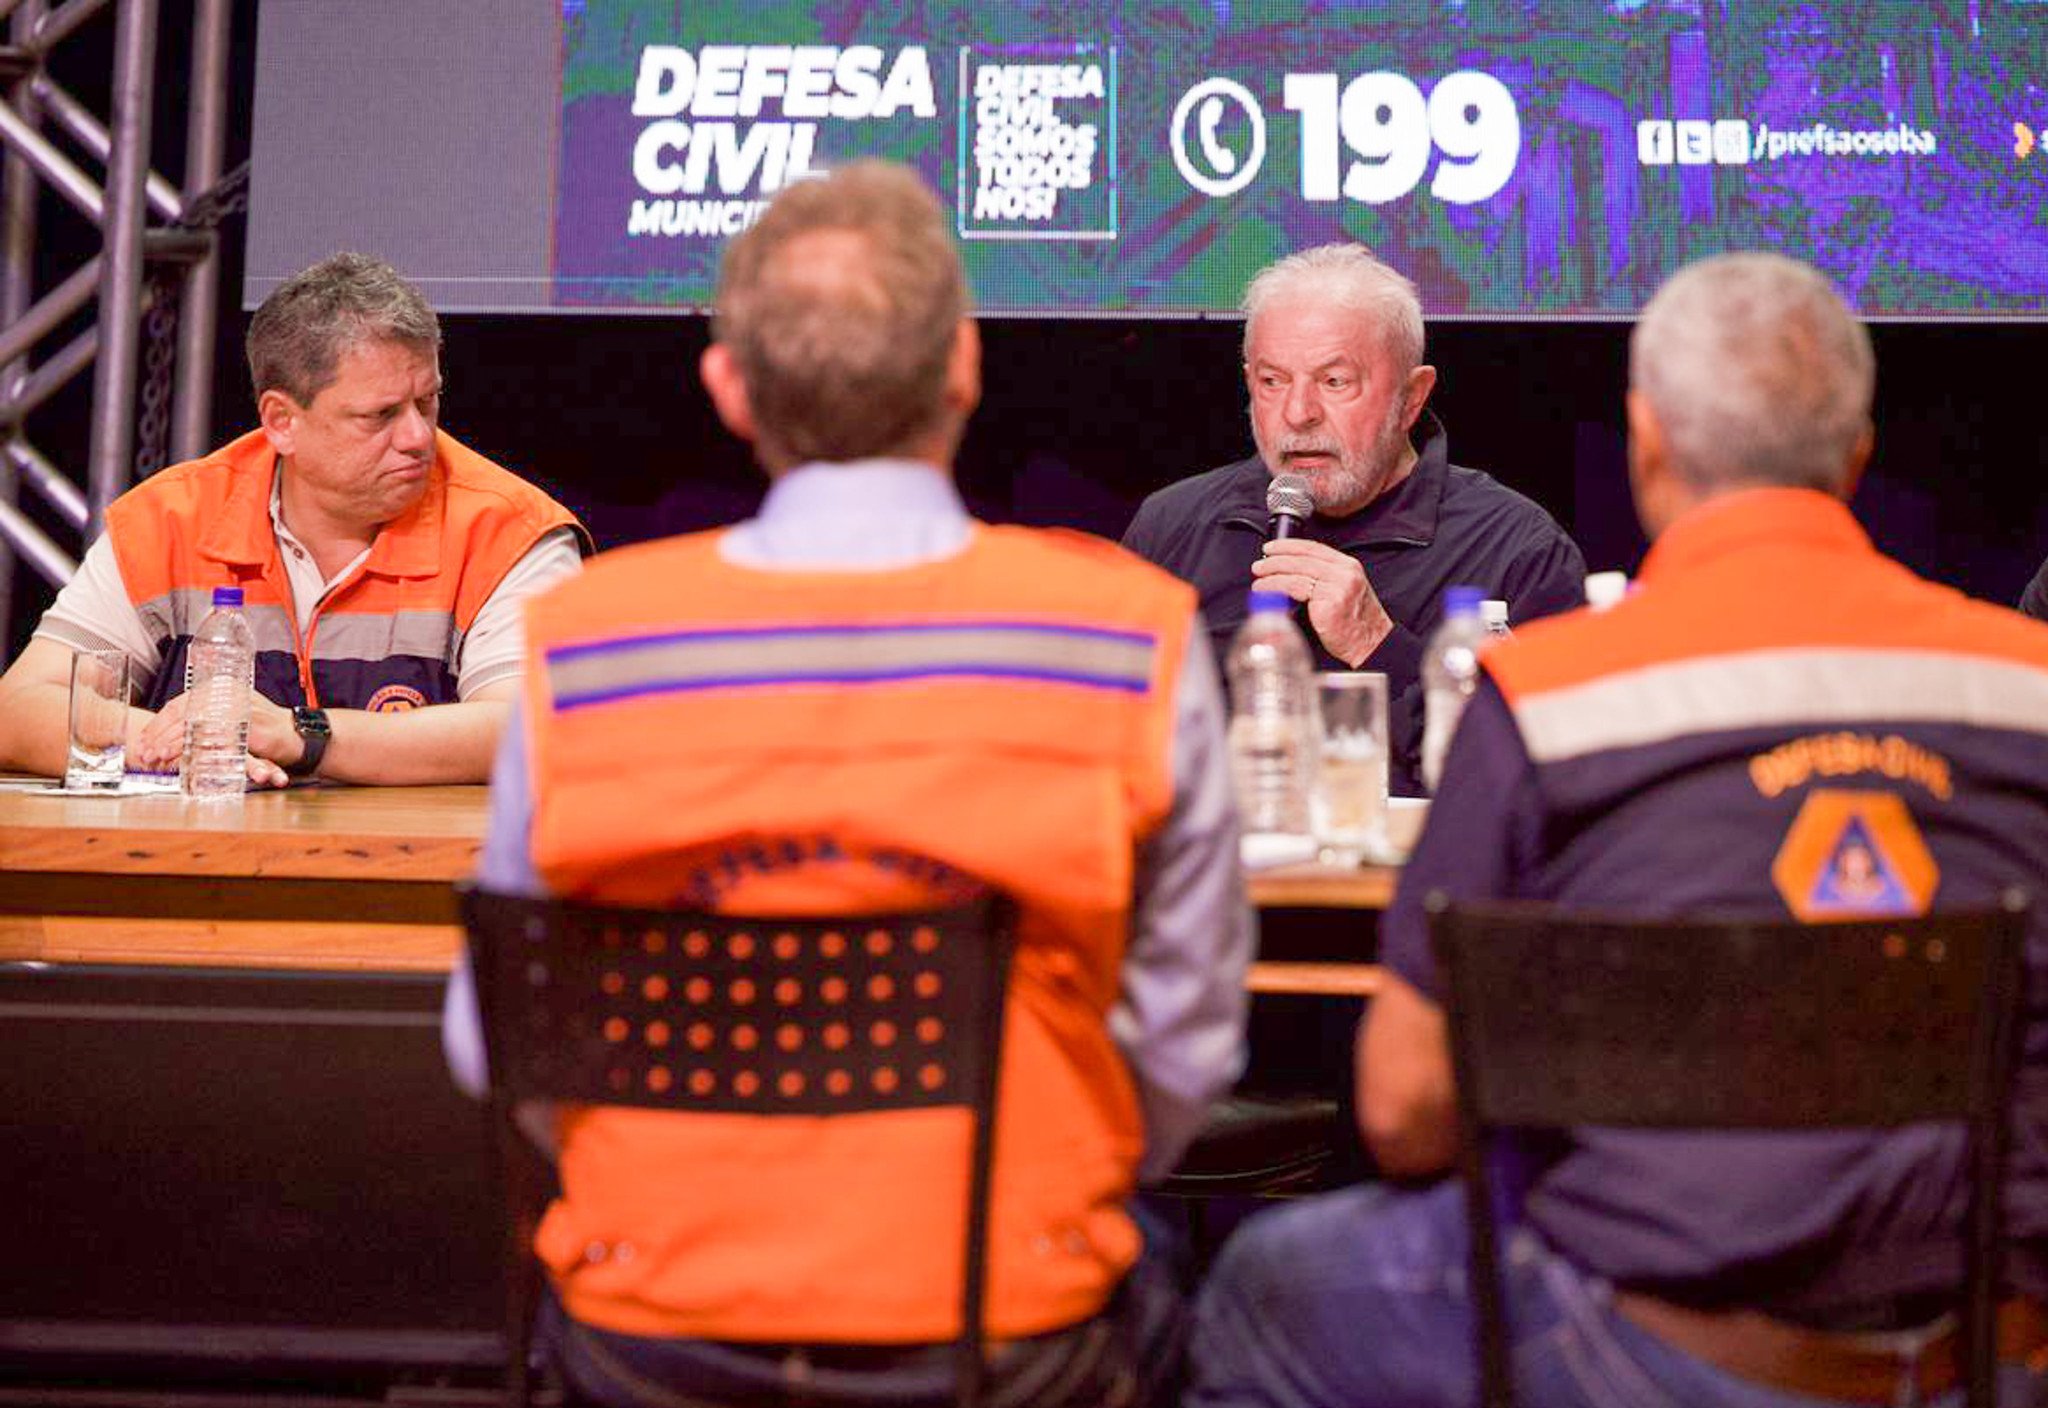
<point x="353" y="878"/>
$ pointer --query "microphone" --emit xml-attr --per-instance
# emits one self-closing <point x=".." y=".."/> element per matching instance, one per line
<point x="1289" y="502"/>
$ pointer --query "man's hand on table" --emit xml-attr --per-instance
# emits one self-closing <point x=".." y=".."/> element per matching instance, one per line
<point x="157" y="741"/>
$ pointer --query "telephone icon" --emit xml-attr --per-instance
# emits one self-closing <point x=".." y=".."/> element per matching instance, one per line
<point x="1221" y="158"/>
<point x="1205" y="161"/>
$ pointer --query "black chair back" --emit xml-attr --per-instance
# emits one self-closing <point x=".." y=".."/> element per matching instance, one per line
<point x="1560" y="1019"/>
<point x="685" y="1011"/>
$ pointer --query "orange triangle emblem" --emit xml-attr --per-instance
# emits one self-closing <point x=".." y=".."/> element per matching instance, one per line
<point x="1850" y="855"/>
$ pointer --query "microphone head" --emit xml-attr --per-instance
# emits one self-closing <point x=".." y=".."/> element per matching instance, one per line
<point x="1288" y="497"/>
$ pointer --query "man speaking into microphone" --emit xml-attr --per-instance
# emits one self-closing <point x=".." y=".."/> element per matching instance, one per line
<point x="1344" y="508"/>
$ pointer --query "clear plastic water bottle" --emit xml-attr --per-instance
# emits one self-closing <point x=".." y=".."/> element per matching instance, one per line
<point x="1450" y="672"/>
<point x="1274" y="732"/>
<point x="220" y="671"/>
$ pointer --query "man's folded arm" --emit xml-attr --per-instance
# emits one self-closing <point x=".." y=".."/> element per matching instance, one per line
<point x="35" y="707"/>
<point x="1483" y="826"/>
<point x="91" y="612"/>
<point x="1180" y="1017"/>
<point x="443" y="743"/>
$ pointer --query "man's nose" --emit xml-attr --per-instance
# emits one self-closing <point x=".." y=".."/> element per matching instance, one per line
<point x="414" y="432"/>
<point x="1302" y="407"/>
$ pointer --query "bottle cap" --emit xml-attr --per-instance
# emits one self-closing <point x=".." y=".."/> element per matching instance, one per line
<point x="227" y="596"/>
<point x="1265" y="600"/>
<point x="1463" y="601"/>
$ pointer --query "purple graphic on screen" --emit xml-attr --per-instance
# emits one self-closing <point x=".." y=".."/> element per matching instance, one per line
<point x="1514" y="160"/>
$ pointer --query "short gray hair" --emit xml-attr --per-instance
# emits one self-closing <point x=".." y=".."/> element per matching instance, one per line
<point x="1352" y="277"/>
<point x="845" y="360"/>
<point x="310" y="321"/>
<point x="1757" y="371"/>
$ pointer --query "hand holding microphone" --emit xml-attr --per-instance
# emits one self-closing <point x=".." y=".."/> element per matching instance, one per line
<point x="1343" y="610"/>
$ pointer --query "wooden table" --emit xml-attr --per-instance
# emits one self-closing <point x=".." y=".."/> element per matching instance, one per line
<point x="268" y="1030"/>
<point x="319" y="877"/>
<point x="351" y="878"/>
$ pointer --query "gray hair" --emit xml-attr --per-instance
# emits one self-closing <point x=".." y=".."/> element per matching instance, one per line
<point x="844" y="358"/>
<point x="1757" y="371"/>
<point x="310" y="321"/>
<point x="1351" y="277"/>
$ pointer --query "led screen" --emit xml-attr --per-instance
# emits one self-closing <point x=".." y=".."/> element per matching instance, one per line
<point x="1518" y="160"/>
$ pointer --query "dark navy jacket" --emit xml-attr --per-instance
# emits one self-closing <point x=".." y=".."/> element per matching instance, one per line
<point x="1442" y="526"/>
<point x="1775" y="695"/>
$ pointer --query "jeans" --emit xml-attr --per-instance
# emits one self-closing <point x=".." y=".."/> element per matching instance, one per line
<point x="1129" y="1356"/>
<point x="1360" y="1299"/>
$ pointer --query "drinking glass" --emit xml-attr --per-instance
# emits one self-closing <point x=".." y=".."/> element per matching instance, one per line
<point x="1351" y="778"/>
<point x="99" y="721"/>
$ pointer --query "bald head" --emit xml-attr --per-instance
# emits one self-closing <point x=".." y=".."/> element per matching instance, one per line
<point x="1756" y="374"/>
<point x="841" y="308"/>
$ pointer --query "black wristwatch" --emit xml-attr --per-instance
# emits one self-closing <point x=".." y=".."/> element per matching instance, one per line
<point x="314" y="731"/>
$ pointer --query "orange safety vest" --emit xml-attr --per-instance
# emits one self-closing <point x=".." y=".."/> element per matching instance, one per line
<point x="707" y="734"/>
<point x="387" y="637"/>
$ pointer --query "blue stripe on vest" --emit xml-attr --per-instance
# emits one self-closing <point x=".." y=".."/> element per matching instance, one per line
<point x="1090" y="657"/>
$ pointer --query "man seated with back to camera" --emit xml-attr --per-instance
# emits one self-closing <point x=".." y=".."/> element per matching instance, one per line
<point x="1333" y="345"/>
<point x="383" y="564"/>
<point x="1063" y="745"/>
<point x="1658" y="758"/>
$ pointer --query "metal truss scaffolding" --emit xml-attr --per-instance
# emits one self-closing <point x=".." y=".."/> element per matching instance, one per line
<point x="156" y="261"/>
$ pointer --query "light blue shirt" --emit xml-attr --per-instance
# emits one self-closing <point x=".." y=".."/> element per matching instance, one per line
<point x="1179" y="1019"/>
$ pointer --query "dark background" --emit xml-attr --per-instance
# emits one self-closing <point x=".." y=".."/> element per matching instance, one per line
<point x="1082" y="418"/>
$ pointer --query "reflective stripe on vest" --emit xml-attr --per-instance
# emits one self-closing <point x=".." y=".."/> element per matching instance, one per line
<point x="604" y="672"/>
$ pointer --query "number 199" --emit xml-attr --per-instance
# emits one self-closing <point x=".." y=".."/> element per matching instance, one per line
<point x="1382" y="117"/>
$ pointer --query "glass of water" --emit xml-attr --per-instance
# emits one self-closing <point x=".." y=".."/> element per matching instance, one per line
<point x="1351" y="778"/>
<point x="99" y="721"/>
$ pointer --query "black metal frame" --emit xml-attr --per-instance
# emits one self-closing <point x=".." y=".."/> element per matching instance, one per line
<point x="1560" y="1019"/>
<point x="540" y="967"/>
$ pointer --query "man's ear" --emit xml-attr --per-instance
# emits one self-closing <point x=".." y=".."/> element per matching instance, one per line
<point x="1415" y="395"/>
<point x="1859" y="460"/>
<point x="727" y="388"/>
<point x="1651" y="480"/>
<point x="963" y="369"/>
<point x="278" y="414"/>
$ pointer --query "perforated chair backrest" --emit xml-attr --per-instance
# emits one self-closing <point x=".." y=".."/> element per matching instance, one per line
<point x="686" y="1011"/>
<point x="1560" y="1019"/>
